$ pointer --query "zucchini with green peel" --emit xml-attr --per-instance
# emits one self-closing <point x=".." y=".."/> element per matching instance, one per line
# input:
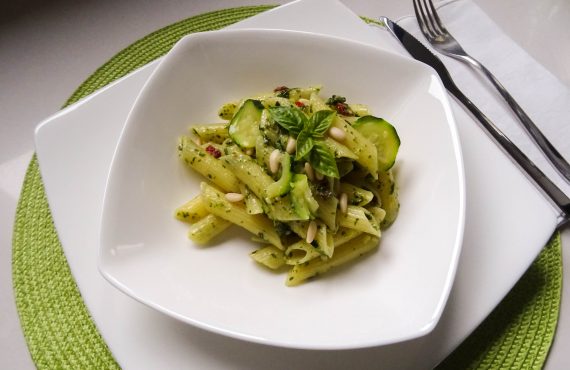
<point x="244" y="126"/>
<point x="283" y="185"/>
<point x="384" y="137"/>
<point x="304" y="204"/>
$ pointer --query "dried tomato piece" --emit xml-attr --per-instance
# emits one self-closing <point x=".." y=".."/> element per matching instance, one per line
<point x="213" y="151"/>
<point x="343" y="109"/>
<point x="282" y="91"/>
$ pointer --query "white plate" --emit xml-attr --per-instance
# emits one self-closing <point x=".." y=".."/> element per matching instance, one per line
<point x="395" y="294"/>
<point x="498" y="243"/>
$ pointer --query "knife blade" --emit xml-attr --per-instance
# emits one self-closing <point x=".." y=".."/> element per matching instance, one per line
<point x="421" y="53"/>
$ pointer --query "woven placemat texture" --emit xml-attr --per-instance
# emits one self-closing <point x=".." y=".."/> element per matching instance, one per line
<point x="61" y="334"/>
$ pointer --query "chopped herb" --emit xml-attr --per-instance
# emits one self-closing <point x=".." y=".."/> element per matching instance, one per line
<point x="323" y="191"/>
<point x="282" y="228"/>
<point x="336" y="99"/>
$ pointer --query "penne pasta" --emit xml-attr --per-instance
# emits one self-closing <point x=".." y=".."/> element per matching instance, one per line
<point x="192" y="211"/>
<point x="348" y="252"/>
<point x="258" y="225"/>
<point x="203" y="231"/>
<point x="207" y="165"/>
<point x="269" y="256"/>
<point x="308" y="177"/>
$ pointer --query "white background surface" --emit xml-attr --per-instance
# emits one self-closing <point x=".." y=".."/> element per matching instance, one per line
<point x="47" y="50"/>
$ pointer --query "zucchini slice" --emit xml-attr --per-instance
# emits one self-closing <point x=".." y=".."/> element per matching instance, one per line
<point x="244" y="126"/>
<point x="281" y="186"/>
<point x="304" y="204"/>
<point x="384" y="137"/>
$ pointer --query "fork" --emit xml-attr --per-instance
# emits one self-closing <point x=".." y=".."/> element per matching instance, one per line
<point x="442" y="41"/>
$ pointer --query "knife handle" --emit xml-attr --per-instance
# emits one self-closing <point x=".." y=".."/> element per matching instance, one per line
<point x="560" y="200"/>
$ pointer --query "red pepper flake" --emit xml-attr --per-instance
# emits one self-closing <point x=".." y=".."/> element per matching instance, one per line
<point x="213" y="151"/>
<point x="299" y="104"/>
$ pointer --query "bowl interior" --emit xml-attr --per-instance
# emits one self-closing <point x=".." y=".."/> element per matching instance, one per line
<point x="394" y="294"/>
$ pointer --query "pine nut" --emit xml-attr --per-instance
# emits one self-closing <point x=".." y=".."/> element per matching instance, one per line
<point x="337" y="133"/>
<point x="311" y="232"/>
<point x="197" y="141"/>
<point x="343" y="203"/>
<point x="309" y="171"/>
<point x="291" y="145"/>
<point x="274" y="159"/>
<point x="234" y="197"/>
<point x="249" y="151"/>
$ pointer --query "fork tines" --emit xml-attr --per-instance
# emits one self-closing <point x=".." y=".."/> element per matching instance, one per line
<point x="429" y="20"/>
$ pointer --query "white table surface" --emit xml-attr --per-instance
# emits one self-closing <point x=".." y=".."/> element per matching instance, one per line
<point x="47" y="50"/>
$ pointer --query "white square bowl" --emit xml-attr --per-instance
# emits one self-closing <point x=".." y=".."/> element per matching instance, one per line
<point x="395" y="294"/>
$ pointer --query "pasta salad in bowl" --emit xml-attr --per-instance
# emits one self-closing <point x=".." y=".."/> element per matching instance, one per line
<point x="312" y="155"/>
<point x="310" y="178"/>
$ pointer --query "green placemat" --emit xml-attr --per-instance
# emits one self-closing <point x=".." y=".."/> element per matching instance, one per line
<point x="61" y="334"/>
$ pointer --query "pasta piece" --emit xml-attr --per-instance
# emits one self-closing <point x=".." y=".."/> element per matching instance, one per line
<point x="269" y="256"/>
<point x="359" y="145"/>
<point x="207" y="228"/>
<point x="254" y="176"/>
<point x="324" y="238"/>
<point x="258" y="225"/>
<point x="262" y="152"/>
<point x="300" y="252"/>
<point x="378" y="213"/>
<point x="249" y="172"/>
<point x="228" y="110"/>
<point x="253" y="204"/>
<point x="214" y="133"/>
<point x="343" y="235"/>
<point x="348" y="252"/>
<point x="327" y="210"/>
<point x="386" y="192"/>
<point x="360" y="219"/>
<point x="359" y="110"/>
<point x="356" y="196"/>
<point x="192" y="211"/>
<point x="306" y="92"/>
<point x="317" y="103"/>
<point x="339" y="150"/>
<point x="272" y="101"/>
<point x="207" y="165"/>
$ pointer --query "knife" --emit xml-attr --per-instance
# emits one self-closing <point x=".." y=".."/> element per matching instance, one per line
<point x="421" y="53"/>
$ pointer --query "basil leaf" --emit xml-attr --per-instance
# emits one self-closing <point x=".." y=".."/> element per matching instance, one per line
<point x="322" y="159"/>
<point x="321" y="121"/>
<point x="305" y="143"/>
<point x="290" y="118"/>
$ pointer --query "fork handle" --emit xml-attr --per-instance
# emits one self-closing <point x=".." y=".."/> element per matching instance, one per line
<point x="560" y="200"/>
<point x="543" y="143"/>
